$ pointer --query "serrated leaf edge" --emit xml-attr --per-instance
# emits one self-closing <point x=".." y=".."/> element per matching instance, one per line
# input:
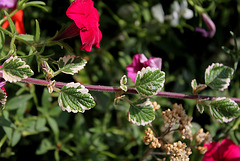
<point x="83" y="90"/>
<point x="224" y="119"/>
<point x="141" y="74"/>
<point x="11" y="78"/>
<point x="133" y="121"/>
<point x="228" y="80"/>
<point x="65" y="59"/>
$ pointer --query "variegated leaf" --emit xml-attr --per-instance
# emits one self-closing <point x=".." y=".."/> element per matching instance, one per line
<point x="71" y="64"/>
<point x="218" y="76"/>
<point x="141" y="112"/>
<point x="15" y="69"/>
<point x="224" y="109"/>
<point x="74" y="97"/>
<point x="149" y="81"/>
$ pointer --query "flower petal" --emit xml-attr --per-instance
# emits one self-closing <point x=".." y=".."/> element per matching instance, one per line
<point x="8" y="3"/>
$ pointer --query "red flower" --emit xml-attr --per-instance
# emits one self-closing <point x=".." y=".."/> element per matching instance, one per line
<point x="18" y="19"/>
<point x="224" y="151"/>
<point x="86" y="18"/>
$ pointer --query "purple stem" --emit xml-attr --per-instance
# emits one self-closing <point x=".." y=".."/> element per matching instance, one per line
<point x="130" y="90"/>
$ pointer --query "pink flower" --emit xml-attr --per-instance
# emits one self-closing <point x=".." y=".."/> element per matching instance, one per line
<point x="224" y="151"/>
<point x="8" y="3"/>
<point x="210" y="25"/>
<point x="86" y="23"/>
<point x="140" y="61"/>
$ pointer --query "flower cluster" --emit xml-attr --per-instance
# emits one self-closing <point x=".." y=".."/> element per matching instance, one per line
<point x="178" y="151"/>
<point x="151" y="139"/>
<point x="202" y="137"/>
<point x="155" y="106"/>
<point x="178" y="116"/>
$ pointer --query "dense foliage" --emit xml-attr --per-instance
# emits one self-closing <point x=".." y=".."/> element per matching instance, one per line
<point x="35" y="127"/>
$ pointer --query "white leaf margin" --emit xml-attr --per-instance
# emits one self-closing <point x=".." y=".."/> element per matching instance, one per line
<point x="12" y="78"/>
<point x="227" y="81"/>
<point x="83" y="90"/>
<point x="134" y="121"/>
<point x="147" y="69"/>
<point x="75" y="69"/>
<point x="224" y="119"/>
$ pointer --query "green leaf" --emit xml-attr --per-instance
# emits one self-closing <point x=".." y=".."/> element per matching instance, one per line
<point x="54" y="126"/>
<point x="141" y="112"/>
<point x="25" y="37"/>
<point x="11" y="24"/>
<point x="2" y="41"/>
<point x="3" y="99"/>
<point x="14" y="69"/>
<point x="45" y="146"/>
<point x="6" y="123"/>
<point x="38" y="4"/>
<point x="218" y="76"/>
<point x="16" y="136"/>
<point x="149" y="81"/>
<point x="18" y="101"/>
<point x="71" y="64"/>
<point x="37" y="34"/>
<point x="224" y="109"/>
<point x="40" y="123"/>
<point x="74" y="97"/>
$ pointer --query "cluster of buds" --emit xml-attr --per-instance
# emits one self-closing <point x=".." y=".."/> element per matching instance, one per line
<point x="151" y="140"/>
<point x="202" y="137"/>
<point x="178" y="151"/>
<point x="202" y="149"/>
<point x="155" y="106"/>
<point x="178" y="116"/>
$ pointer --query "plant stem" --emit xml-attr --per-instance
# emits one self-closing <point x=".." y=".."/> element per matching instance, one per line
<point x="130" y="90"/>
<point x="146" y="154"/>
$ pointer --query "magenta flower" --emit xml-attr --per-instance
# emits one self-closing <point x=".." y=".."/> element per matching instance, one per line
<point x="222" y="151"/>
<point x="86" y="23"/>
<point x="140" y="61"/>
<point x="8" y="3"/>
<point x="210" y="25"/>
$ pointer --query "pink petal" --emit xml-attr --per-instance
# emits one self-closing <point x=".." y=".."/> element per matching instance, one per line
<point x="155" y="62"/>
